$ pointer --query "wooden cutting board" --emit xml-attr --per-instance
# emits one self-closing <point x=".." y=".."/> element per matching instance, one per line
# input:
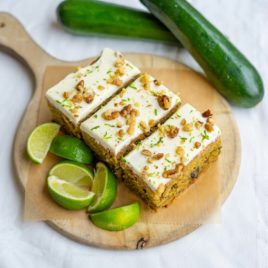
<point x="192" y="87"/>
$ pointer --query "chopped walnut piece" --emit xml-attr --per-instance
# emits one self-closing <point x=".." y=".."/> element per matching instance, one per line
<point x="119" y="61"/>
<point x="168" y="173"/>
<point x="197" y="144"/>
<point x="207" y="113"/>
<point x="162" y="130"/>
<point x="110" y="115"/>
<point x="89" y="96"/>
<point x="100" y="87"/>
<point x="121" y="133"/>
<point x="171" y="131"/>
<point x="131" y="129"/>
<point x="117" y="82"/>
<point x="131" y="123"/>
<point x="180" y="151"/>
<point x="134" y="112"/>
<point x="80" y="86"/>
<point x="77" y="98"/>
<point x="157" y="156"/>
<point x="209" y="127"/>
<point x="120" y="71"/>
<point x="150" y="161"/>
<point x="173" y="173"/>
<point x="144" y="172"/>
<point x="188" y="127"/>
<point x="146" y="152"/>
<point x="145" y="81"/>
<point x="126" y="110"/>
<point x="66" y="95"/>
<point x="144" y="126"/>
<point x="164" y="102"/>
<point x="152" y="122"/>
<point x="198" y="124"/>
<point x="210" y="121"/>
<point x="183" y="122"/>
<point x="157" y="83"/>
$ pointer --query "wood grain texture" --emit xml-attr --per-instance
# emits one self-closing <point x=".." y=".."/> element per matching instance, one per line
<point x="193" y="86"/>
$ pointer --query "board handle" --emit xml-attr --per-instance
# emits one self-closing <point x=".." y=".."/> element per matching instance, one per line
<point x="15" y="39"/>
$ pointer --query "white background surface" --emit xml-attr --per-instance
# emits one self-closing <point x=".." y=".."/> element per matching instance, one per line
<point x="241" y="240"/>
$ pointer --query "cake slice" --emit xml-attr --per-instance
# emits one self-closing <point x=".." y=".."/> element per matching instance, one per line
<point x="128" y="117"/>
<point x="169" y="161"/>
<point x="79" y="94"/>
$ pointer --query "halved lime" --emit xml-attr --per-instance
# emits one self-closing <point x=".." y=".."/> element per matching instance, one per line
<point x="39" y="141"/>
<point x="117" y="219"/>
<point x="104" y="186"/>
<point x="71" y="148"/>
<point x="73" y="172"/>
<point x="67" y="194"/>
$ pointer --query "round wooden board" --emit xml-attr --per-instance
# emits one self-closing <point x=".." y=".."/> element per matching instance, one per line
<point x="193" y="88"/>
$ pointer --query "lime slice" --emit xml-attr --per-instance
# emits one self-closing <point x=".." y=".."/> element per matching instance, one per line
<point x="71" y="148"/>
<point x="104" y="186"/>
<point x="39" y="141"/>
<point x="73" y="172"/>
<point x="117" y="219"/>
<point x="67" y="194"/>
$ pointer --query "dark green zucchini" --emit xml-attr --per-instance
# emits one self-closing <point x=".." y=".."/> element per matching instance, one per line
<point x="89" y="17"/>
<point x="227" y="68"/>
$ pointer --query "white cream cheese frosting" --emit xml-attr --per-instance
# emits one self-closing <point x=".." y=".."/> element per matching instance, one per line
<point x="100" y="80"/>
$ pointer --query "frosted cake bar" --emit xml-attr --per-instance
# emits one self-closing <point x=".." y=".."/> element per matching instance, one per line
<point x="79" y="94"/>
<point x="167" y="162"/>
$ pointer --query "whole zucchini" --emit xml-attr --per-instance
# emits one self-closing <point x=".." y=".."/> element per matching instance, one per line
<point x="87" y="17"/>
<point x="231" y="73"/>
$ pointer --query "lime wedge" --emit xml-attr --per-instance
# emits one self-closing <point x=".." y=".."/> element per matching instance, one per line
<point x="104" y="186"/>
<point x="71" y="148"/>
<point x="73" y="172"/>
<point x="39" y="141"/>
<point x="117" y="219"/>
<point x="67" y="194"/>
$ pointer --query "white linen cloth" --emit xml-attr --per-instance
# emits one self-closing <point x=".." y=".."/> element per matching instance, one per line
<point x="241" y="240"/>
